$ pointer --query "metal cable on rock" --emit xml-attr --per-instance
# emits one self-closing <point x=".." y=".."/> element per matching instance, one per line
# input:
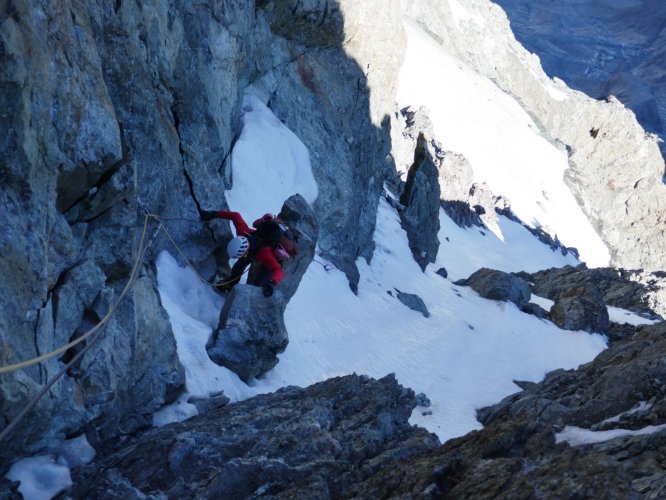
<point x="189" y="264"/>
<point x="133" y="274"/>
<point x="96" y="331"/>
<point x="7" y="430"/>
<point x="103" y="321"/>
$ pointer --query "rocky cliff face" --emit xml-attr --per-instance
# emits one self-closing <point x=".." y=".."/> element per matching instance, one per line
<point x="319" y="442"/>
<point x="105" y="104"/>
<point x="108" y="104"/>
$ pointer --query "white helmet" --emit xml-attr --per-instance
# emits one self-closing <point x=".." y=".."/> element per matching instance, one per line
<point x="237" y="247"/>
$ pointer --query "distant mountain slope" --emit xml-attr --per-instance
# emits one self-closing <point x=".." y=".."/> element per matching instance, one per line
<point x="607" y="47"/>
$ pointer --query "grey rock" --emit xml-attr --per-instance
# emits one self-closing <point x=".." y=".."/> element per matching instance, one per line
<point x="9" y="489"/>
<point x="204" y="405"/>
<point x="314" y="23"/>
<point x="582" y="308"/>
<point x="251" y="332"/>
<point x="414" y="302"/>
<point x="442" y="272"/>
<point x="618" y="52"/>
<point x="461" y="213"/>
<point x="467" y="203"/>
<point x="302" y="220"/>
<point x="535" y="310"/>
<point x="322" y="441"/>
<point x="638" y="291"/>
<point x="422" y="400"/>
<point x="620" y="331"/>
<point x="498" y="285"/>
<point x="420" y="218"/>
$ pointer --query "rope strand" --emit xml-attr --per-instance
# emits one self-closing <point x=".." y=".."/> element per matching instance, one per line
<point x="103" y="321"/>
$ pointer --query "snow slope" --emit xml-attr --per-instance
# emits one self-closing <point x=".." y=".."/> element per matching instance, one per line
<point x="464" y="356"/>
<point x="473" y="117"/>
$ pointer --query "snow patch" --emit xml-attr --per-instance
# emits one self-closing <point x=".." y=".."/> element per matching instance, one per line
<point x="618" y="315"/>
<point x="268" y="164"/>
<point x="41" y="477"/>
<point x="575" y="436"/>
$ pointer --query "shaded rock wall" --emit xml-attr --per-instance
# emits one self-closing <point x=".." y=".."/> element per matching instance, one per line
<point x="107" y="103"/>
<point x="420" y="199"/>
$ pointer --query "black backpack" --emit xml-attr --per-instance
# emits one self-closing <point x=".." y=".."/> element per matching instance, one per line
<point x="274" y="232"/>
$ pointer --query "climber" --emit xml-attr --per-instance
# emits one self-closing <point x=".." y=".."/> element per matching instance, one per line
<point x="253" y="245"/>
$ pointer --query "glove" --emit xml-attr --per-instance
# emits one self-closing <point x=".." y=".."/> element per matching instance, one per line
<point x="208" y="215"/>
<point x="268" y="288"/>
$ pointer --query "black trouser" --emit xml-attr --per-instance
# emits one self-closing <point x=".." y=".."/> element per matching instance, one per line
<point x="237" y="271"/>
<point x="258" y="276"/>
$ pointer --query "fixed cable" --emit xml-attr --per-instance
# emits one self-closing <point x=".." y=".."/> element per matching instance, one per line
<point x="103" y="321"/>
<point x="94" y="333"/>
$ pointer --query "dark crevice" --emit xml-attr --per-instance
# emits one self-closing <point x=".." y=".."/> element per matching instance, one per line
<point x="188" y="179"/>
<point x="10" y="11"/>
<point x="101" y="214"/>
<point x="50" y="295"/>
<point x="226" y="157"/>
<point x="324" y="15"/>
<point x="40" y="366"/>
<point x="90" y="319"/>
<point x="103" y="179"/>
<point x="58" y="284"/>
<point x="119" y="4"/>
<point x="191" y="186"/>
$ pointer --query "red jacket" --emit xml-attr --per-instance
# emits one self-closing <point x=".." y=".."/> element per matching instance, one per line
<point x="264" y="255"/>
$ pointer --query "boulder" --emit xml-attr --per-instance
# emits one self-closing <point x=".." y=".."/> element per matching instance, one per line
<point x="323" y="441"/>
<point x="582" y="308"/>
<point x="302" y="220"/>
<point x="251" y="331"/>
<point x="498" y="285"/>
<point x="638" y="291"/>
<point x="535" y="310"/>
<point x="420" y="217"/>
<point x="414" y="302"/>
